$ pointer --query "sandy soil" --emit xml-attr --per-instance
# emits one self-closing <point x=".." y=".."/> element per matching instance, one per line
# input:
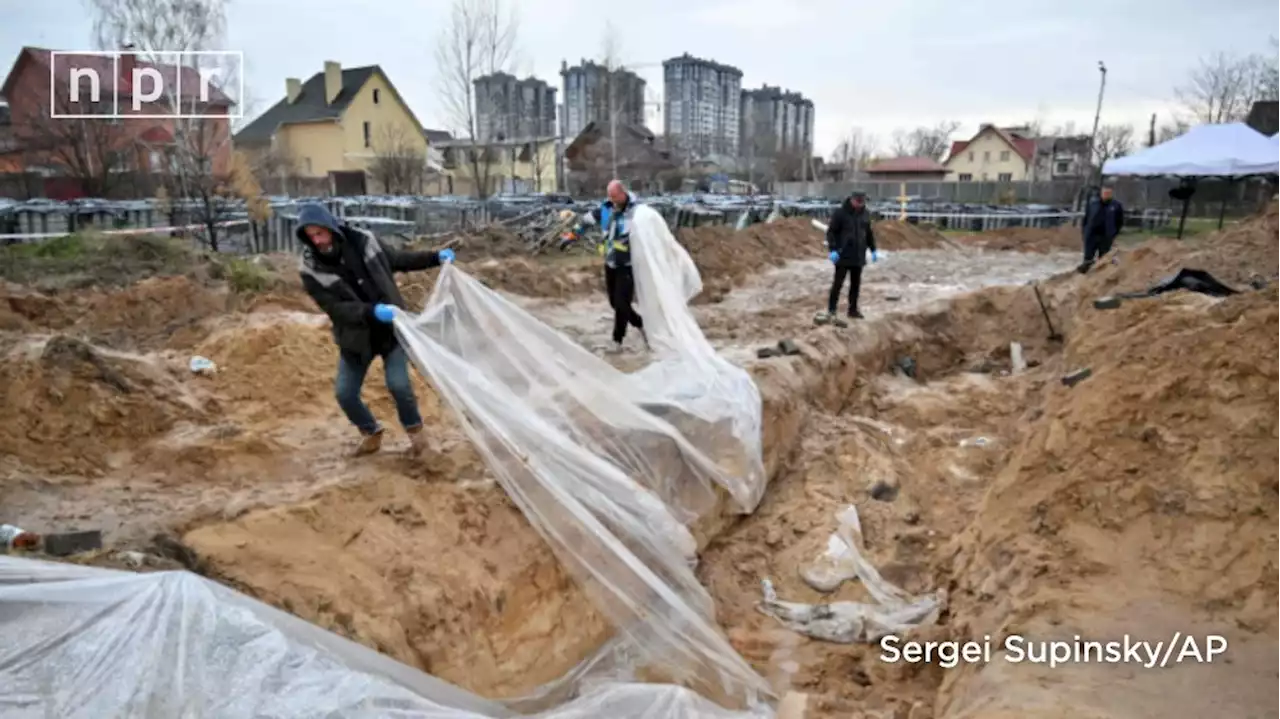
<point x="1141" y="500"/>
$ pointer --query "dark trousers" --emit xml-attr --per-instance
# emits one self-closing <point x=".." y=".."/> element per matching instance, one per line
<point x="855" y="286"/>
<point x="351" y="372"/>
<point x="620" y="285"/>
<point x="1095" y="246"/>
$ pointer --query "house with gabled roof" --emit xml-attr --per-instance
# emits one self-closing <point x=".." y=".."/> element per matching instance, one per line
<point x="335" y="126"/>
<point x="994" y="154"/>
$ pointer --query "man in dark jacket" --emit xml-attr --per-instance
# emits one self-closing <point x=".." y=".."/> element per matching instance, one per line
<point x="348" y="272"/>
<point x="1103" y="220"/>
<point x="849" y="236"/>
<point x="614" y="217"/>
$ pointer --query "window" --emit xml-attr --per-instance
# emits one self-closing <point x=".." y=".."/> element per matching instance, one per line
<point x="367" y="142"/>
<point x="1005" y="177"/>
<point x="377" y="96"/>
<point x="986" y="156"/>
<point x="966" y="177"/>
<point x="970" y="156"/>
<point x="1062" y="167"/>
<point x="1004" y="156"/>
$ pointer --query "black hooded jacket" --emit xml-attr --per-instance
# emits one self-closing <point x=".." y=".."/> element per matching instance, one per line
<point x="849" y="233"/>
<point x="352" y="277"/>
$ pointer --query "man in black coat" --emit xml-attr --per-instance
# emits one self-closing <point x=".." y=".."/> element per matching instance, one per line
<point x="1104" y="218"/>
<point x="849" y="236"/>
<point x="348" y="272"/>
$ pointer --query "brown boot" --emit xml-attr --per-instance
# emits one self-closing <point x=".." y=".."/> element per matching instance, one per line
<point x="369" y="443"/>
<point x="417" y="441"/>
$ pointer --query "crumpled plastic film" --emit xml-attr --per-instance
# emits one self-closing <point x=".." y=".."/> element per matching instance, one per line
<point x="85" y="643"/>
<point x="610" y="467"/>
<point x="894" y="611"/>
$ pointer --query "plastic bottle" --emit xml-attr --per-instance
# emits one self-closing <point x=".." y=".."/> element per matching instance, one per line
<point x="12" y="537"/>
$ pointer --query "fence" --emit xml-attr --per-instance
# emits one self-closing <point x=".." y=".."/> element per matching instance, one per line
<point x="1242" y="197"/>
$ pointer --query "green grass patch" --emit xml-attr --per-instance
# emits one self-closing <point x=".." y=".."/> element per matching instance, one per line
<point x="86" y="259"/>
<point x="244" y="276"/>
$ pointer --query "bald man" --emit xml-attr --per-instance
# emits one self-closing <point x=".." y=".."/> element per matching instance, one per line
<point x="614" y="216"/>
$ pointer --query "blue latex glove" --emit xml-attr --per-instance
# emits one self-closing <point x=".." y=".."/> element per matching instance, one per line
<point x="835" y="256"/>
<point x="384" y="313"/>
<point x="446" y="255"/>
<point x="873" y="255"/>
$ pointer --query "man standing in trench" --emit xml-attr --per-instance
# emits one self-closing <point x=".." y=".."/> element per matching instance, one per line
<point x="614" y="217"/>
<point x="348" y="273"/>
<point x="849" y="236"/>
<point x="1104" y="218"/>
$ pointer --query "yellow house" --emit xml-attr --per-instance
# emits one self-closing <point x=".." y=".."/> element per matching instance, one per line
<point x="346" y="127"/>
<point x="510" y="166"/>
<point x="992" y="155"/>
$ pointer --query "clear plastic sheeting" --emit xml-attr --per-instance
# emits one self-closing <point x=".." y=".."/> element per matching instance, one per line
<point x="85" y="643"/>
<point x="611" y="467"/>
<point x="894" y="611"/>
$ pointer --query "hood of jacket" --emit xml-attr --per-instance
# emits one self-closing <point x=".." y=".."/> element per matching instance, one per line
<point x="314" y="213"/>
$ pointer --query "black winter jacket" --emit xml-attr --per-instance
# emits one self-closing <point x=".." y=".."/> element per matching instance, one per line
<point x="850" y="234"/>
<point x="355" y="275"/>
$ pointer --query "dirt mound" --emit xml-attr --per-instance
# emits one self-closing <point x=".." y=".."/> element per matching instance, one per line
<point x="87" y="260"/>
<point x="1064" y="238"/>
<point x="70" y="406"/>
<point x="896" y="235"/>
<point x="152" y="313"/>
<point x="1142" y="501"/>
<point x="490" y="241"/>
<point x="726" y="257"/>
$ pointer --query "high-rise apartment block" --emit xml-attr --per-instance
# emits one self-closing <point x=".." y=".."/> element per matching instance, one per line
<point x="702" y="106"/>
<point x="587" y="97"/>
<point x="508" y="108"/>
<point x="775" y="121"/>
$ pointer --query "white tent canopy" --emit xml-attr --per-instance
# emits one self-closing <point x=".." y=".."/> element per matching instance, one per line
<point x="1230" y="150"/>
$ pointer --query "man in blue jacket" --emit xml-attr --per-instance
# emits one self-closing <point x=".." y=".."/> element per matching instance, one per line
<point x="614" y="217"/>
<point x="348" y="273"/>
<point x="1103" y="220"/>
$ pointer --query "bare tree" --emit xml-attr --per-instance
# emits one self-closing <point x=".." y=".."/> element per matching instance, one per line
<point x="1171" y="129"/>
<point x="1224" y="86"/>
<point x="398" y="163"/>
<point x="932" y="142"/>
<point x="855" y="150"/>
<point x="89" y="150"/>
<point x="195" y="158"/>
<point x="479" y="39"/>
<point x="1112" y="141"/>
<point x="611" y="52"/>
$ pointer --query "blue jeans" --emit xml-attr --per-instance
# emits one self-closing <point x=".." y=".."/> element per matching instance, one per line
<point x="351" y="372"/>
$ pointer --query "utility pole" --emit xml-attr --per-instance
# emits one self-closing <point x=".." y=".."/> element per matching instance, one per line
<point x="1097" y="115"/>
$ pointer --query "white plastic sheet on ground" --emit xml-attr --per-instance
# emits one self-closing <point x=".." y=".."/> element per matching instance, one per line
<point x="894" y="610"/>
<point x="609" y="467"/>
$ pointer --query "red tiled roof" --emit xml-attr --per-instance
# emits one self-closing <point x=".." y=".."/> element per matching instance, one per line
<point x="104" y="65"/>
<point x="907" y="164"/>
<point x="1024" y="146"/>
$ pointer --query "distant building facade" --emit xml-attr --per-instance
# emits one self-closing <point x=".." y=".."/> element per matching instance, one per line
<point x="775" y="121"/>
<point x="702" y="106"/>
<point x="586" y="97"/>
<point x="508" y="108"/>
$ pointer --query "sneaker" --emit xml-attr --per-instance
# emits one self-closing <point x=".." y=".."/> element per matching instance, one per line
<point x="645" y="336"/>
<point x="614" y="349"/>
<point x="822" y="318"/>
<point x="369" y="443"/>
<point x="417" y="441"/>
<point x="856" y="315"/>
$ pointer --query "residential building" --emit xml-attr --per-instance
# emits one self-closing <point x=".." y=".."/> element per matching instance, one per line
<point x="702" y="106"/>
<point x="992" y="155"/>
<point x="643" y="162"/>
<point x="507" y="107"/>
<point x="516" y="165"/>
<point x="586" y="97"/>
<point x="334" y="127"/>
<point x="1061" y="158"/>
<point x="89" y="154"/>
<point x="907" y="169"/>
<point x="775" y="121"/>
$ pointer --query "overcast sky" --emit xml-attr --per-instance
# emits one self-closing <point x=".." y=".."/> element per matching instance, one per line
<point x="873" y="65"/>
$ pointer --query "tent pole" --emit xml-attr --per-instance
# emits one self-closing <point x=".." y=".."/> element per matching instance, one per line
<point x="1222" y="212"/>
<point x="1183" y="221"/>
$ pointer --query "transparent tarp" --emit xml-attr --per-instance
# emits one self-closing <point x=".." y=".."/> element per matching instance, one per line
<point x="609" y="467"/>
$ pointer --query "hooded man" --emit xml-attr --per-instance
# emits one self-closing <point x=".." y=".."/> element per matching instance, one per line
<point x="849" y="236"/>
<point x="348" y="272"/>
<point x="1103" y="221"/>
<point x="614" y="217"/>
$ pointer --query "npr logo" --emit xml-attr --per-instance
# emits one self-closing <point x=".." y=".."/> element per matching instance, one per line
<point x="165" y="86"/>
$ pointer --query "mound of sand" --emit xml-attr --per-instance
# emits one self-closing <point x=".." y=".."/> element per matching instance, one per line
<point x="70" y="405"/>
<point x="896" y="235"/>
<point x="726" y="257"/>
<point x="1064" y="238"/>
